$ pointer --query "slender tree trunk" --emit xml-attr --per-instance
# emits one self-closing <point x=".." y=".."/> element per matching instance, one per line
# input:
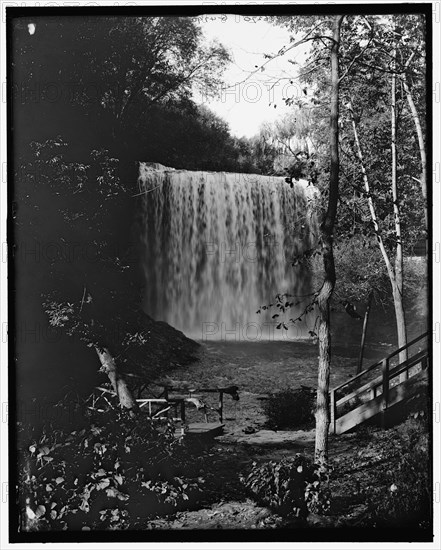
<point x="363" y="334"/>
<point x="119" y="385"/>
<point x="327" y="229"/>
<point x="396" y="293"/>
<point x="397" y="288"/>
<point x="401" y="325"/>
<point x="108" y="363"/>
<point x="422" y="148"/>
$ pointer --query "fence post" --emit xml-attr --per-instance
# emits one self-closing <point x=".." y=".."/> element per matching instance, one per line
<point x="333" y="413"/>
<point x="221" y="406"/>
<point x="385" y="373"/>
<point x="166" y="395"/>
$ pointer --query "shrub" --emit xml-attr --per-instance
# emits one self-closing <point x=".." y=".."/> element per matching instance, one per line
<point x="405" y="496"/>
<point x="293" y="487"/>
<point x="104" y="475"/>
<point x="290" y="408"/>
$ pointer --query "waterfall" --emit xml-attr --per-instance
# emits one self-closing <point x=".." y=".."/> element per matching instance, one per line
<point x="218" y="246"/>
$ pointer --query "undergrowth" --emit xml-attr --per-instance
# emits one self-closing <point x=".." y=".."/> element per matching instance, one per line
<point x="110" y="474"/>
<point x="290" y="408"/>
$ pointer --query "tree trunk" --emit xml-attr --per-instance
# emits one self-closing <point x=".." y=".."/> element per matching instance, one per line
<point x="401" y="325"/>
<point x="422" y="148"/>
<point x="397" y="285"/>
<point x="322" y="418"/>
<point x="363" y="334"/>
<point x="119" y="385"/>
<point x="397" y="291"/>
<point x="327" y="229"/>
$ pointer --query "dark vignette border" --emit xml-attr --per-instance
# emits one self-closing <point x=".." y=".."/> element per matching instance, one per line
<point x="273" y="535"/>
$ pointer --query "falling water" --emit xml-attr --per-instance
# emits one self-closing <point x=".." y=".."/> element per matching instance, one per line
<point x="218" y="246"/>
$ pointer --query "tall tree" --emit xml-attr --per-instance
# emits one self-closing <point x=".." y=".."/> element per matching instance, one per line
<point x="325" y="34"/>
<point x="386" y="207"/>
<point x="327" y="238"/>
<point x="99" y="73"/>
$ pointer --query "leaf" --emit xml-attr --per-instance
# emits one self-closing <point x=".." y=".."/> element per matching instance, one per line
<point x="119" y="479"/>
<point x="59" y="480"/>
<point x="30" y="513"/>
<point x="275" y="315"/>
<point x="40" y="511"/>
<point x="84" y="506"/>
<point x="103" y="484"/>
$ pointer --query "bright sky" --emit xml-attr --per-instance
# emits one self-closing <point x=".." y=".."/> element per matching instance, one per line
<point x="245" y="104"/>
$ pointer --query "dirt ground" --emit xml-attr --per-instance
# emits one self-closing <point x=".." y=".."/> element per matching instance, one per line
<point x="257" y="371"/>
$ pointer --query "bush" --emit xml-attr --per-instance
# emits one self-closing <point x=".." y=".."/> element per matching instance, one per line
<point x="293" y="487"/>
<point x="405" y="497"/>
<point x="290" y="408"/>
<point x="111" y="472"/>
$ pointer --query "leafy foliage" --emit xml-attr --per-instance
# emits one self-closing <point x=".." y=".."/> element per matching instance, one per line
<point x="293" y="487"/>
<point x="290" y="408"/>
<point x="385" y="478"/>
<point x="366" y="66"/>
<point x="89" y="282"/>
<point x="105" y="475"/>
<point x="405" y="496"/>
<point x="126" y="84"/>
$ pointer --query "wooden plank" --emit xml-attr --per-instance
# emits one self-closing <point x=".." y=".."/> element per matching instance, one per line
<point x="402" y="367"/>
<point x="333" y="412"/>
<point x="378" y="363"/>
<point x="375" y="406"/>
<point x="203" y="429"/>
<point x="369" y="385"/>
<point x="385" y="393"/>
<point x="379" y="379"/>
<point x="359" y="415"/>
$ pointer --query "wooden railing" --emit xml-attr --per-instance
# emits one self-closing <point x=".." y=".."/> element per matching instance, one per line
<point x="388" y="373"/>
<point x="191" y="396"/>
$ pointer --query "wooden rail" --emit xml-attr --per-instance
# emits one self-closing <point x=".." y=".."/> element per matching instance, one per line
<point x="191" y="396"/>
<point x="377" y="402"/>
<point x="166" y="402"/>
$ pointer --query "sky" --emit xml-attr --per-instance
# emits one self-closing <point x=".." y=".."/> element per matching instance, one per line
<point x="248" y="99"/>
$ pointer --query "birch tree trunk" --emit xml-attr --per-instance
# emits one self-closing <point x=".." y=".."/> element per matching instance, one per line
<point x="363" y="334"/>
<point x="422" y="149"/>
<point x="119" y="385"/>
<point x="327" y="229"/>
<point x="397" y="292"/>
<point x="397" y="287"/>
